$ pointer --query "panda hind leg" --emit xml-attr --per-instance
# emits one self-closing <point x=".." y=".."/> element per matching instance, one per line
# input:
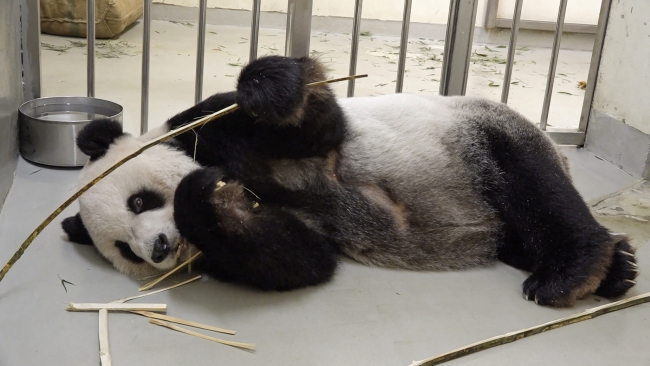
<point x="549" y="230"/>
<point x="248" y="241"/>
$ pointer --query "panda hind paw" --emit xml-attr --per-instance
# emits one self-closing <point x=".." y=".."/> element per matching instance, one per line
<point x="549" y="289"/>
<point x="622" y="272"/>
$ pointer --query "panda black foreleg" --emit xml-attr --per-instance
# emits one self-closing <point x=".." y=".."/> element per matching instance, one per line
<point x="243" y="241"/>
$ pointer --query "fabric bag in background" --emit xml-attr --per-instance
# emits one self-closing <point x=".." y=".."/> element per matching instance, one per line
<point x="68" y="17"/>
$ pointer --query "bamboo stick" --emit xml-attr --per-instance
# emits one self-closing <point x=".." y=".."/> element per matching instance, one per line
<point x="104" y="347"/>
<point x="157" y="291"/>
<point x="172" y="319"/>
<point x="248" y="346"/>
<point x="171" y="134"/>
<point x="116" y="307"/>
<point x="157" y="280"/>
<point x="517" y="335"/>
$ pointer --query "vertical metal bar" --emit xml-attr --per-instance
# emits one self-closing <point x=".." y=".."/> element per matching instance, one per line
<point x="403" y="46"/>
<point x="458" y="47"/>
<point x="90" y="39"/>
<point x="255" y="30"/>
<point x="31" y="44"/>
<point x="146" y="46"/>
<point x="298" y="28"/>
<point x="512" y="47"/>
<point x="200" y="52"/>
<point x="491" y="13"/>
<point x="551" y="69"/>
<point x="595" y="64"/>
<point x="354" y="52"/>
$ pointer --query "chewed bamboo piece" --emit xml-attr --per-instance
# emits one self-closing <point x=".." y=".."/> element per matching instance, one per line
<point x="248" y="346"/>
<point x="171" y="134"/>
<point x="112" y="306"/>
<point x="172" y="319"/>
<point x="180" y="266"/>
<point x="517" y="335"/>
<point x="157" y="291"/>
<point x="104" y="348"/>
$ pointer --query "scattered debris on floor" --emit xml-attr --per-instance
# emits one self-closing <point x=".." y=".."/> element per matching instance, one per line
<point x="582" y="85"/>
<point x="152" y="311"/>
<point x="517" y="335"/>
<point x="626" y="211"/>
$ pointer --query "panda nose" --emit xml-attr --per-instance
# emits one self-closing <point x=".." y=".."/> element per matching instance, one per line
<point x="160" y="248"/>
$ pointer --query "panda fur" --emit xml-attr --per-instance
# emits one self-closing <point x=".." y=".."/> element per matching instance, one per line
<point x="401" y="181"/>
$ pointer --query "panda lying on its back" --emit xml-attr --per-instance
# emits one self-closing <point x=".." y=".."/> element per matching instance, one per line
<point x="404" y="181"/>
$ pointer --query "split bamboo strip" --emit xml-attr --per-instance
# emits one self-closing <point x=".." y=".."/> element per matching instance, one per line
<point x="247" y="346"/>
<point x="517" y="335"/>
<point x="157" y="280"/>
<point x="172" y="319"/>
<point x="104" y="348"/>
<point x="157" y="291"/>
<point x="116" y="307"/>
<point x="171" y="134"/>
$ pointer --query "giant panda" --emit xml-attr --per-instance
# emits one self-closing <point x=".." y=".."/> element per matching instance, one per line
<point x="275" y="192"/>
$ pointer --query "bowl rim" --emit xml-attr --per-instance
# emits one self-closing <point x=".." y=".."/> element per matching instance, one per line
<point x="60" y="100"/>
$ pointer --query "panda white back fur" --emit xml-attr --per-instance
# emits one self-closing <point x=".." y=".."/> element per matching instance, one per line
<point x="400" y="181"/>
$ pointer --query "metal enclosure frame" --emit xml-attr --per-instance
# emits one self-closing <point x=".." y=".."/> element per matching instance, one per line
<point x="456" y="58"/>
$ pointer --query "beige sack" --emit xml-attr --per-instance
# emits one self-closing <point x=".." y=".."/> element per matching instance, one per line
<point x="68" y="17"/>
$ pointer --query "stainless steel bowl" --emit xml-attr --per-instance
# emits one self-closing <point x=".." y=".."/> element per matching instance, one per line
<point x="48" y="127"/>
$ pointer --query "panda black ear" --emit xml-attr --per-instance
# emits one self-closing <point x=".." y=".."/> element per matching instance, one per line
<point x="77" y="233"/>
<point x="95" y="139"/>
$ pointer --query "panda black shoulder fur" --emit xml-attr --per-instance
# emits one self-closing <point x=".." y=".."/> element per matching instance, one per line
<point x="404" y="181"/>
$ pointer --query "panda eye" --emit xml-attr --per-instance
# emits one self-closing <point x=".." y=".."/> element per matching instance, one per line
<point x="145" y="200"/>
<point x="137" y="204"/>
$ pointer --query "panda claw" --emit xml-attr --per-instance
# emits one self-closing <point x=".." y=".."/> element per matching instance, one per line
<point x="536" y="300"/>
<point x="626" y="253"/>
<point x="632" y="282"/>
<point x="525" y="296"/>
<point x="633" y="265"/>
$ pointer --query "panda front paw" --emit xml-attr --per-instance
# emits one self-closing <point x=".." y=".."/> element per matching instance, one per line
<point x="193" y="210"/>
<point x="273" y="88"/>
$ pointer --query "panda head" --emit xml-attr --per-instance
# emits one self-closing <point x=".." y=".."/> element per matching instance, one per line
<point x="128" y="215"/>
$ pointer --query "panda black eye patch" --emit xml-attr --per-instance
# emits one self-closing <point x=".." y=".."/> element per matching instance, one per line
<point x="127" y="253"/>
<point x="145" y="200"/>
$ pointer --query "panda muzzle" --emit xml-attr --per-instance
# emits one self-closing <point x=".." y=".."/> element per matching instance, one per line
<point x="161" y="248"/>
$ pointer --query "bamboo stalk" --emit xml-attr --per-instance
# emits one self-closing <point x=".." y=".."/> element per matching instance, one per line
<point x="517" y="335"/>
<point x="247" y="346"/>
<point x="172" y="319"/>
<point x="157" y="280"/>
<point x="116" y="307"/>
<point x="171" y="134"/>
<point x="157" y="291"/>
<point x="104" y="347"/>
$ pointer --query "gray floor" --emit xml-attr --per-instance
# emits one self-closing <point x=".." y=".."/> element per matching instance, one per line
<point x="365" y="316"/>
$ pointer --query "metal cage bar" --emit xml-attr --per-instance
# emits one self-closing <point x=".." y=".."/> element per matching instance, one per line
<point x="458" y="47"/>
<point x="594" y="64"/>
<point x="146" y="48"/>
<point x="90" y="39"/>
<point x="354" y="52"/>
<point x="255" y="30"/>
<point x="200" y="52"/>
<point x="403" y="46"/>
<point x="298" y="28"/>
<point x="551" y="70"/>
<point x="512" y="47"/>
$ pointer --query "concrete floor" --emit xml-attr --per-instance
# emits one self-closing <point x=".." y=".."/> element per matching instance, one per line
<point x="365" y="316"/>
<point x="173" y="63"/>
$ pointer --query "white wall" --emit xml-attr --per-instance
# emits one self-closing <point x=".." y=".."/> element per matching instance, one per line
<point x="577" y="11"/>
<point x="422" y="11"/>
<point x="624" y="75"/>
